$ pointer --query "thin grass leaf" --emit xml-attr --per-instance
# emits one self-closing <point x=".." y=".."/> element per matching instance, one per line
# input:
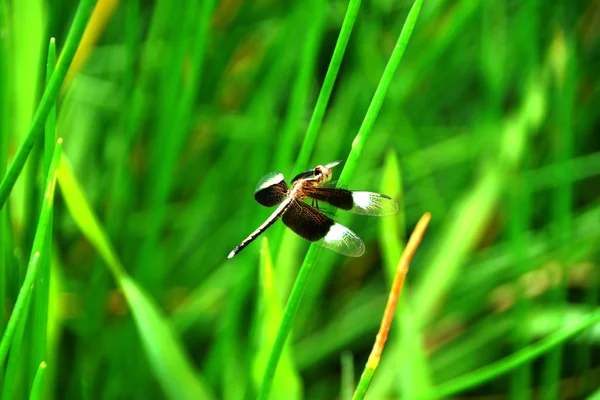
<point x="390" y="308"/>
<point x="391" y="229"/>
<point x="101" y="16"/>
<point x="37" y="390"/>
<point x="300" y="284"/>
<point x="5" y="127"/>
<point x="48" y="99"/>
<point x="324" y="95"/>
<point x="13" y="384"/>
<point x="384" y="84"/>
<point x="40" y="317"/>
<point x="507" y="364"/>
<point x="347" y="384"/>
<point x="171" y="366"/>
<point x="413" y="368"/>
<point x="287" y="379"/>
<point x="21" y="305"/>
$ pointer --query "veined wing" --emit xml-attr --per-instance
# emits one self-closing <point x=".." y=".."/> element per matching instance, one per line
<point x="357" y="202"/>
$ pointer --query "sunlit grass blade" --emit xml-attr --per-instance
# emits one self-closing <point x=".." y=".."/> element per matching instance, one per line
<point x="391" y="229"/>
<point x="37" y="390"/>
<point x="390" y="308"/>
<point x="5" y="127"/>
<point x="48" y="99"/>
<point x="287" y="380"/>
<point x="413" y="369"/>
<point x="21" y="307"/>
<point x="172" y="367"/>
<point x="102" y="14"/>
<point x="300" y="284"/>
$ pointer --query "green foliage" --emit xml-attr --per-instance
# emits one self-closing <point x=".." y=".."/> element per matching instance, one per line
<point x="171" y="115"/>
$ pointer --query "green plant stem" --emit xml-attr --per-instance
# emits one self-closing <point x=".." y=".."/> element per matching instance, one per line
<point x="315" y="23"/>
<point x="325" y="94"/>
<point x="5" y="125"/>
<point x="288" y="318"/>
<point x="37" y="389"/>
<point x="40" y="316"/>
<point x="386" y="80"/>
<point x="300" y="284"/>
<point x="34" y="260"/>
<point x="48" y="98"/>
<point x="492" y="371"/>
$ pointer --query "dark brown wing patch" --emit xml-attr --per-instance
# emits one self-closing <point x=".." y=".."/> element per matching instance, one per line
<point x="306" y="221"/>
<point x="340" y="198"/>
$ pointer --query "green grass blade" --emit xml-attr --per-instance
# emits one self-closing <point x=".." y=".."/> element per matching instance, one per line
<point x="40" y="317"/>
<point x="300" y="284"/>
<point x="348" y="382"/>
<point x="287" y="380"/>
<point x="5" y="127"/>
<point x="34" y="261"/>
<point x="13" y="382"/>
<point x="492" y="371"/>
<point x="48" y="99"/>
<point x="324" y="95"/>
<point x="37" y="390"/>
<point x="171" y="366"/>
<point x="313" y="23"/>
<point x="386" y="80"/>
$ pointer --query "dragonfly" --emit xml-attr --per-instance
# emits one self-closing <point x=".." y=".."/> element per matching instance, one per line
<point x="308" y="221"/>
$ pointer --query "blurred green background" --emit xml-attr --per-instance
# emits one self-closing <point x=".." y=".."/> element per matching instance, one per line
<point x="172" y="112"/>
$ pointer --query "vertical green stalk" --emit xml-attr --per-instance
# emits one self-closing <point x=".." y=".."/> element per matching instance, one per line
<point x="386" y="80"/>
<point x="5" y="101"/>
<point x="299" y="286"/>
<point x="347" y="383"/>
<point x="21" y="307"/>
<point x="315" y="23"/>
<point x="37" y="389"/>
<point x="40" y="317"/>
<point x="324" y="95"/>
<point x="48" y="98"/>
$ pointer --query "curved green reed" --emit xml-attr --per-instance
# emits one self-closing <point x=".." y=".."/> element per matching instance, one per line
<point x="492" y="371"/>
<point x="34" y="261"/>
<point x="48" y="98"/>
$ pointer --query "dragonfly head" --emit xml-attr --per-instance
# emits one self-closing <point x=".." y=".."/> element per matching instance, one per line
<point x="322" y="173"/>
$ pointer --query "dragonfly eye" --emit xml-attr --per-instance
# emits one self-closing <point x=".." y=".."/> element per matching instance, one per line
<point x="323" y="173"/>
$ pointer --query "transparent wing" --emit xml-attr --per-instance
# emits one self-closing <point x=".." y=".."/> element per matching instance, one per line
<point x="313" y="225"/>
<point x="342" y="240"/>
<point x="369" y="203"/>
